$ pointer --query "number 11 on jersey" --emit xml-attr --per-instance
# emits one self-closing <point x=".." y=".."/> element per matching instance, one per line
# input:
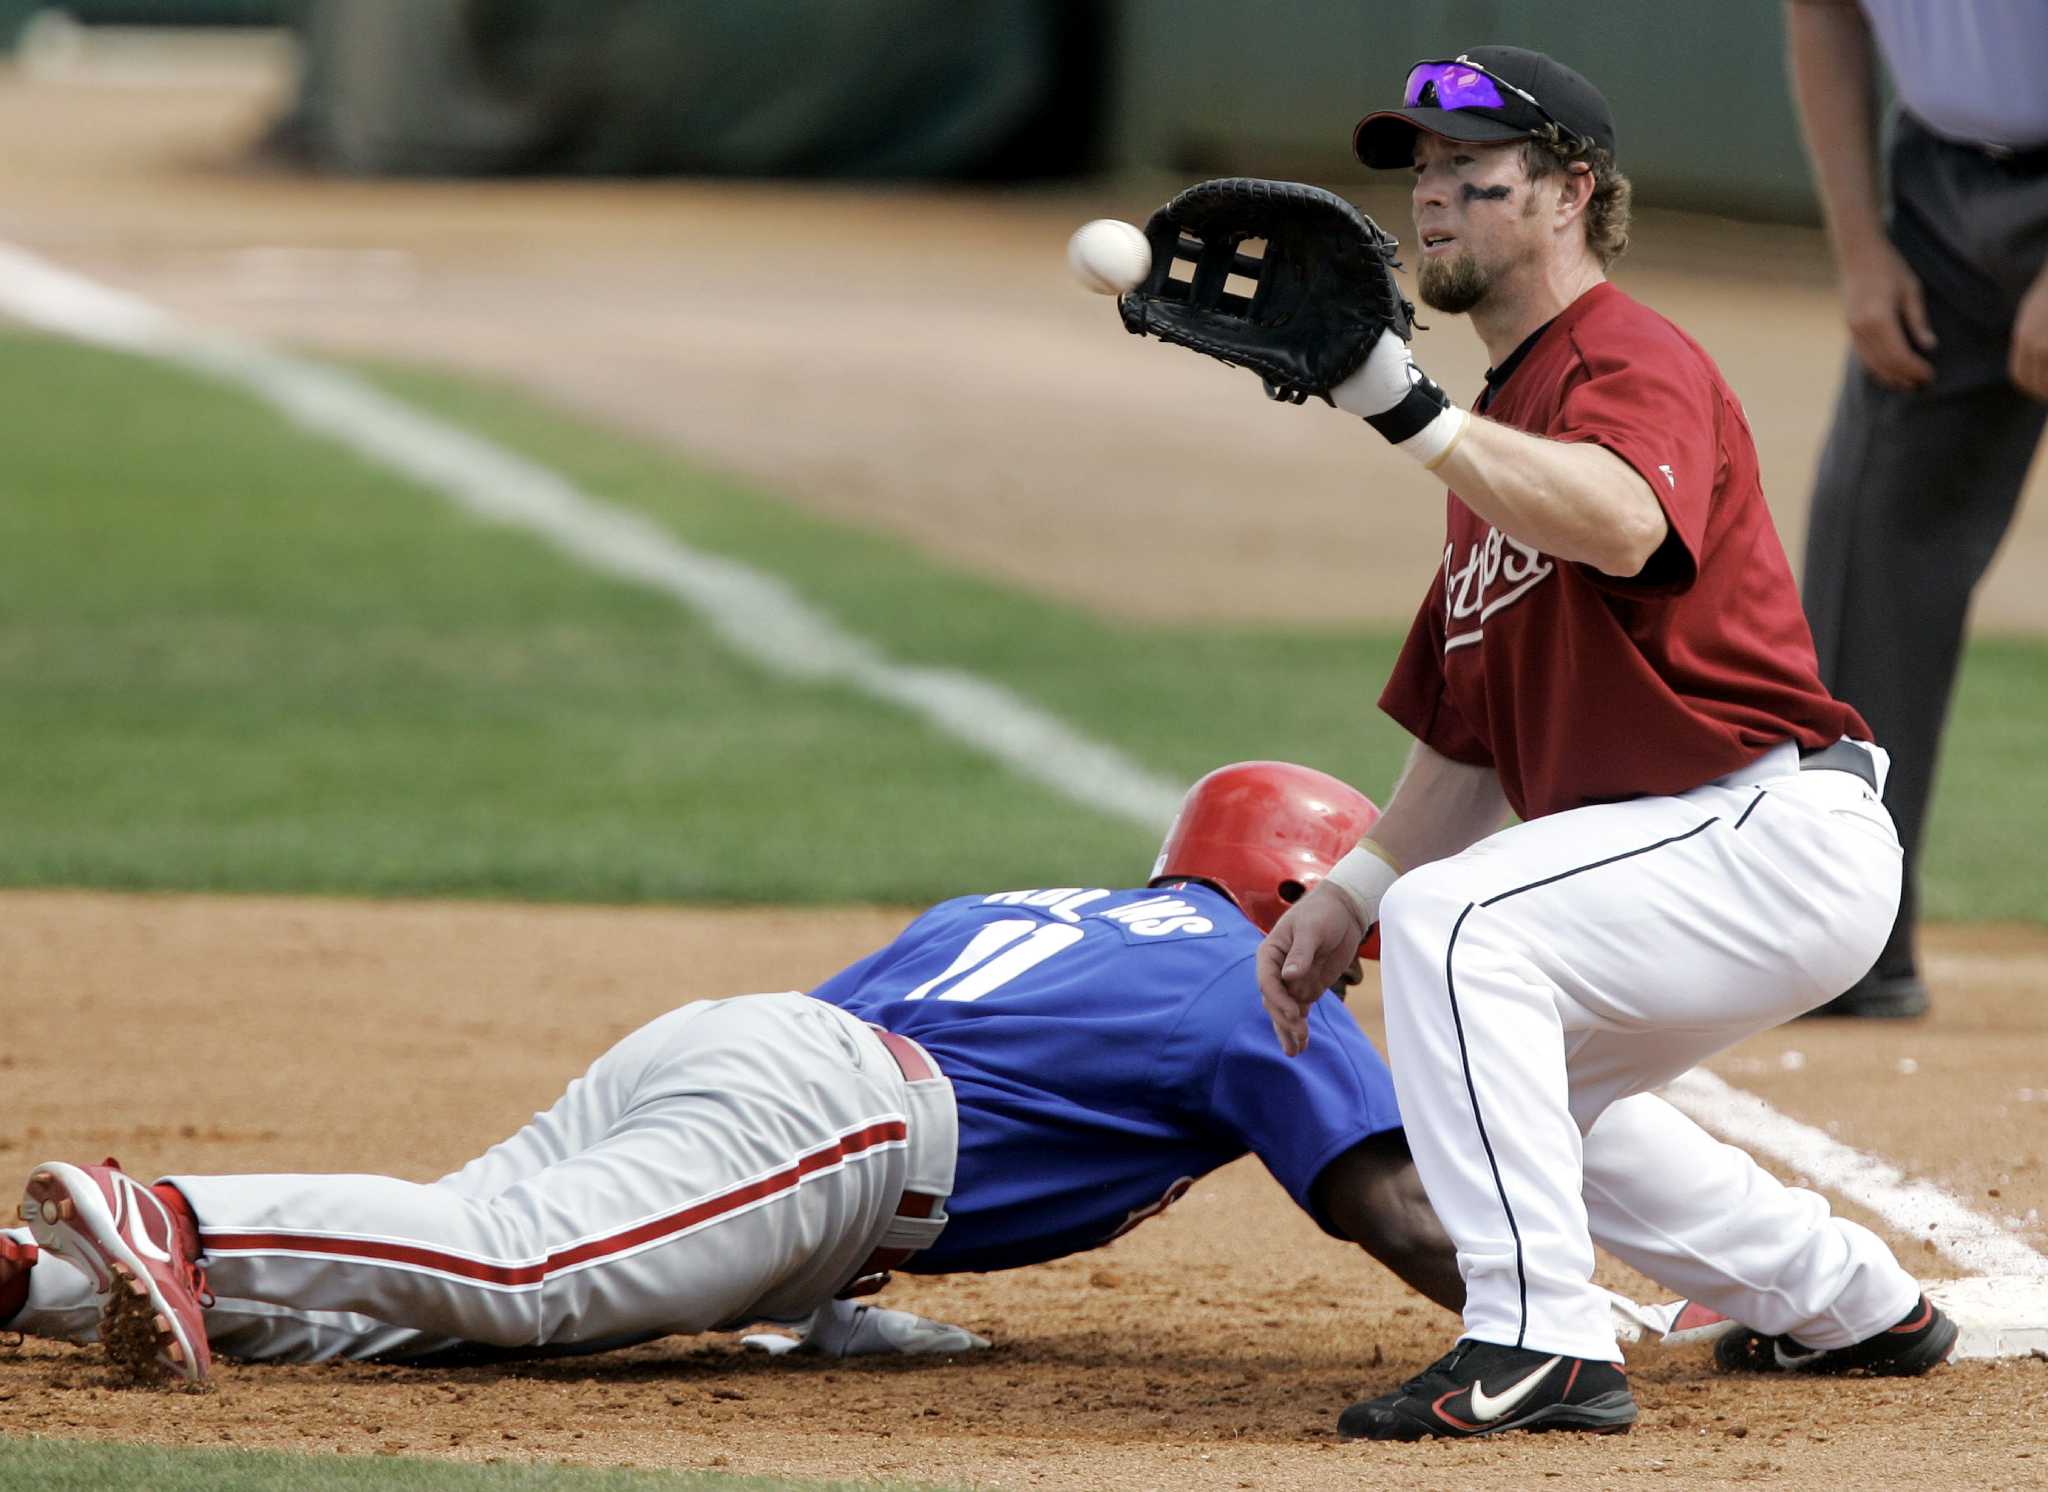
<point x="997" y="954"/>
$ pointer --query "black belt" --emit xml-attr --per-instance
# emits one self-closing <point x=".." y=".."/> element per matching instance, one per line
<point x="1842" y="756"/>
<point x="873" y="1273"/>
<point x="2029" y="161"/>
<point x="2024" y="158"/>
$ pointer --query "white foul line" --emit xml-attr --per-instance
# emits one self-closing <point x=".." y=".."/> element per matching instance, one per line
<point x="755" y="614"/>
<point x="762" y="618"/>
<point x="1915" y="1209"/>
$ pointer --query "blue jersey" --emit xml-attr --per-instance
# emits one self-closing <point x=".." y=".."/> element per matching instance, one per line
<point x="1107" y="1048"/>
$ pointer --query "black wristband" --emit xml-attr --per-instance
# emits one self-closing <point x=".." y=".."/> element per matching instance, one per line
<point x="1425" y="401"/>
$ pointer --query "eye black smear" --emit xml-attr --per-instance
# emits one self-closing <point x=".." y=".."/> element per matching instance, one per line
<point x="1486" y="194"/>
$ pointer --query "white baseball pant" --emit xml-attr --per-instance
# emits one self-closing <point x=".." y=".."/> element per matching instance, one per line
<point x="1539" y="984"/>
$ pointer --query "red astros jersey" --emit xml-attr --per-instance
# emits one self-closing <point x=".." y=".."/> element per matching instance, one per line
<point x="1578" y="687"/>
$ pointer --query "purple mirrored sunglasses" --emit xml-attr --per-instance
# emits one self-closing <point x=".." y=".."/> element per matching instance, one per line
<point x="1463" y="84"/>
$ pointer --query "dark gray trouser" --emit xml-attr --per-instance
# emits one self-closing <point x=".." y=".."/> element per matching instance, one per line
<point x="1916" y="490"/>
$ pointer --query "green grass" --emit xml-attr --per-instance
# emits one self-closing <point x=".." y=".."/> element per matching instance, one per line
<point x="1179" y="699"/>
<point x="234" y="657"/>
<point x="1986" y="857"/>
<point x="91" y="1466"/>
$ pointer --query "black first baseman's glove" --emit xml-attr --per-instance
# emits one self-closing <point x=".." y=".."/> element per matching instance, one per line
<point x="1324" y="316"/>
<point x="1325" y="287"/>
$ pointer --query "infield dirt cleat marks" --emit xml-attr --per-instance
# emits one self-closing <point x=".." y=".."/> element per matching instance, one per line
<point x="138" y="1338"/>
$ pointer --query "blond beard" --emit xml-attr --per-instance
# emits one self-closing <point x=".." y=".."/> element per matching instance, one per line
<point x="1453" y="286"/>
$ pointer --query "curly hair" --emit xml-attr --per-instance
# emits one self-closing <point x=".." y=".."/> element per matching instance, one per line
<point x="1607" y="214"/>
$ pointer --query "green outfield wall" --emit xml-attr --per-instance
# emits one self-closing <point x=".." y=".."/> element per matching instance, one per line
<point x="1698" y="86"/>
<point x="993" y="89"/>
<point x="14" y="14"/>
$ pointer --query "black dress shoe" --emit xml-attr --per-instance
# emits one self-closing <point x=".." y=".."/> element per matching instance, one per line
<point x="1884" y="997"/>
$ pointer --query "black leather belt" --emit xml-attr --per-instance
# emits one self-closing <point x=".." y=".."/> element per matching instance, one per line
<point x="2025" y="159"/>
<point x="1842" y="756"/>
<point x="2030" y="161"/>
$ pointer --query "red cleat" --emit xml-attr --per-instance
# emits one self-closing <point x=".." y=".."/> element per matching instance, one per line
<point x="16" y="1260"/>
<point x="141" y="1255"/>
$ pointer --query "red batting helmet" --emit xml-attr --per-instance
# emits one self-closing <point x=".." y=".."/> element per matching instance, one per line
<point x="1264" y="832"/>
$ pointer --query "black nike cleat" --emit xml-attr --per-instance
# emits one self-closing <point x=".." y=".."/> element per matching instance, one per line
<point x="1923" y="1339"/>
<point x="1481" y="1388"/>
<point x="1885" y="997"/>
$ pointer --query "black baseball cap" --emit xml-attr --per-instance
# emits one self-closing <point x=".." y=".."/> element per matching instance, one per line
<point x="1385" y="139"/>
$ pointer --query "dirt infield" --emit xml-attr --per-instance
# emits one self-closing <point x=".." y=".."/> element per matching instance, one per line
<point x="1211" y="1348"/>
<point x="914" y="361"/>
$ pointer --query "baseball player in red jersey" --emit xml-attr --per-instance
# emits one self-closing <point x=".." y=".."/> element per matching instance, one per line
<point x="1614" y="650"/>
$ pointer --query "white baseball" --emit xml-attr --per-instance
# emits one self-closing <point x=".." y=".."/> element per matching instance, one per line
<point x="1109" y="256"/>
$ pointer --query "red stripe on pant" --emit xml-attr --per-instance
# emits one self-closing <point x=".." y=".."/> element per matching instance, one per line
<point x="787" y="1179"/>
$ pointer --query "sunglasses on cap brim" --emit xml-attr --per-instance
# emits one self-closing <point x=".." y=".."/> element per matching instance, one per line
<point x="1460" y="83"/>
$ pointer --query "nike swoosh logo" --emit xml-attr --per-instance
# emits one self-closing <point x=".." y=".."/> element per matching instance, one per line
<point x="1489" y="1407"/>
<point x="1793" y="1360"/>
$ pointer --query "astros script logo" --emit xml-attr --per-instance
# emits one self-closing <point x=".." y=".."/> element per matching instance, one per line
<point x="1498" y="572"/>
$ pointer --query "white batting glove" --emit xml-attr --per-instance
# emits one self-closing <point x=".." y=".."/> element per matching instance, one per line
<point x="845" y="1328"/>
<point x="1675" y="1323"/>
<point x="1402" y="402"/>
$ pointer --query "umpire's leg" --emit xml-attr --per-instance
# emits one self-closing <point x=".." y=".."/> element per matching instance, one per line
<point x="1914" y="494"/>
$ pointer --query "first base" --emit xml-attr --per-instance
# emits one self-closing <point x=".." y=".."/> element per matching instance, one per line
<point x="1999" y="1315"/>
